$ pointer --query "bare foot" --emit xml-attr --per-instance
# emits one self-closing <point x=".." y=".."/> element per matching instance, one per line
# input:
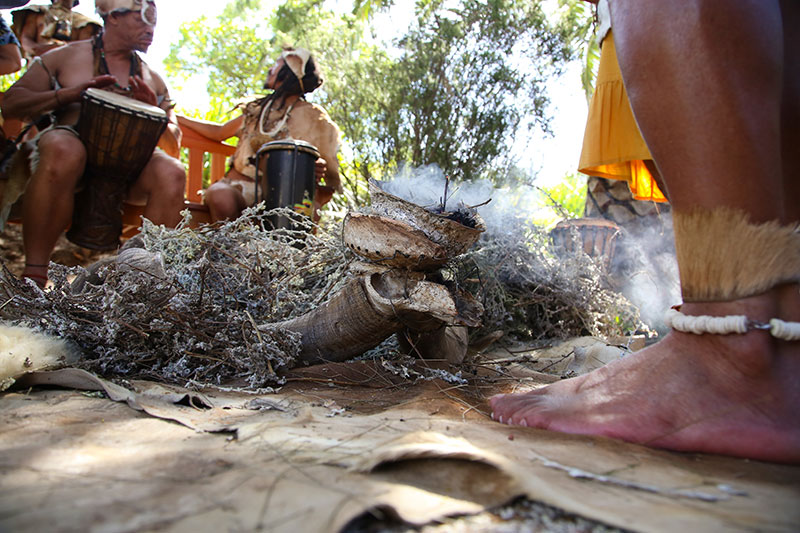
<point x="733" y="395"/>
<point x="37" y="273"/>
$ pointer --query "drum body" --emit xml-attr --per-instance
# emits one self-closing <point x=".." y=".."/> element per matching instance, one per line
<point x="290" y="182"/>
<point x="596" y="237"/>
<point x="120" y="135"/>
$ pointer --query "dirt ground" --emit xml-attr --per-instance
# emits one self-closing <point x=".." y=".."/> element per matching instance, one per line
<point x="13" y="255"/>
<point x="521" y="515"/>
<point x="349" y="448"/>
<point x="25" y="419"/>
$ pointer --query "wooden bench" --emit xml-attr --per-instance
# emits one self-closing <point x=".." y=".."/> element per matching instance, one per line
<point x="198" y="146"/>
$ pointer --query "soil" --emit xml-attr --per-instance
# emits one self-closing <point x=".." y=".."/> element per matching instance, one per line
<point x="521" y="515"/>
<point x="12" y="252"/>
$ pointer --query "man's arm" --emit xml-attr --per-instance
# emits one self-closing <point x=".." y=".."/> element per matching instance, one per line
<point x="10" y="59"/>
<point x="170" y="140"/>
<point x="212" y="130"/>
<point x="328" y="148"/>
<point x="29" y="36"/>
<point x="32" y="95"/>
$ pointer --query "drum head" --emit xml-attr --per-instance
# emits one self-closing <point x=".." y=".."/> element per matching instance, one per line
<point x="290" y="144"/>
<point x="115" y="100"/>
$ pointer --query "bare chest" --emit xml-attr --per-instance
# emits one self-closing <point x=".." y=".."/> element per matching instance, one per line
<point x="75" y="73"/>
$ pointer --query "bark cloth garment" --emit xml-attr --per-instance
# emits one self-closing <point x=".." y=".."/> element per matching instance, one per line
<point x="302" y="121"/>
<point x="49" y="29"/>
<point x="613" y="147"/>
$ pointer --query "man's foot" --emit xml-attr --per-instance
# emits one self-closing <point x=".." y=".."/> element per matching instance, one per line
<point x="37" y="273"/>
<point x="733" y="394"/>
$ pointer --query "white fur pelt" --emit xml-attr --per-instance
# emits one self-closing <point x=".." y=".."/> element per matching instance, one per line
<point x="723" y="256"/>
<point x="23" y="350"/>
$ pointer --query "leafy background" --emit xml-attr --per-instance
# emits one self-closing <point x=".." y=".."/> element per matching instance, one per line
<point x="453" y="89"/>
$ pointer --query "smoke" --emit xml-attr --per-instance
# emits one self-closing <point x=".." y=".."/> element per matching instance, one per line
<point x="644" y="268"/>
<point x="505" y="211"/>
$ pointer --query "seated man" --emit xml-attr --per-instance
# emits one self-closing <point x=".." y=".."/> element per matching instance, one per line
<point x="281" y="115"/>
<point x="54" y="84"/>
<point x="42" y="28"/>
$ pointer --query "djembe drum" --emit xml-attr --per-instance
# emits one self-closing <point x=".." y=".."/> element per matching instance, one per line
<point x="120" y="134"/>
<point x="596" y="237"/>
<point x="289" y="169"/>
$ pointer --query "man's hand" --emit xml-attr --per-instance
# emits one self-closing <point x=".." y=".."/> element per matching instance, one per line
<point x="320" y="168"/>
<point x="69" y="95"/>
<point x="141" y="91"/>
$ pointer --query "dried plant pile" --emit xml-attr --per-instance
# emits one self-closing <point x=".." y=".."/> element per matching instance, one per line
<point x="532" y="293"/>
<point x="201" y="312"/>
<point x="205" y="310"/>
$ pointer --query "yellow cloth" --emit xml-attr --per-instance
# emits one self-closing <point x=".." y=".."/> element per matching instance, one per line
<point x="613" y="147"/>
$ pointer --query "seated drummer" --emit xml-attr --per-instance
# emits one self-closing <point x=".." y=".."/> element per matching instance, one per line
<point x="41" y="28"/>
<point x="54" y="84"/>
<point x="282" y="114"/>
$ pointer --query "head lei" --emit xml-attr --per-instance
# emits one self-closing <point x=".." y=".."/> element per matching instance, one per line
<point x="147" y="8"/>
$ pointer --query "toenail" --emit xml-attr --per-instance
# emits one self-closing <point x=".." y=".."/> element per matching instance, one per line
<point x="500" y="419"/>
<point x="524" y="423"/>
<point x="493" y="415"/>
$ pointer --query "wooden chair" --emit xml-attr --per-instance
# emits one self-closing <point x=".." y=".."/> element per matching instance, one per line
<point x="197" y="146"/>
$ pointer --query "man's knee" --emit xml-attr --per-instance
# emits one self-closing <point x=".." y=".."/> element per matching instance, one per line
<point x="218" y="193"/>
<point x="60" y="154"/>
<point x="173" y="179"/>
<point x="223" y="201"/>
<point x="168" y="177"/>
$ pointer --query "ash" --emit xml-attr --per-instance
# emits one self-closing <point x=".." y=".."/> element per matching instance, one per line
<point x="464" y="215"/>
<point x="197" y="309"/>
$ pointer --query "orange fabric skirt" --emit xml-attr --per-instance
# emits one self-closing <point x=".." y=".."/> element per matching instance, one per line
<point x="613" y="148"/>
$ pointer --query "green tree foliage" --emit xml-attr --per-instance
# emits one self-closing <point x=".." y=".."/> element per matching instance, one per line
<point x="568" y="198"/>
<point x="454" y="89"/>
<point x="231" y="51"/>
<point x="577" y="25"/>
<point x="469" y="78"/>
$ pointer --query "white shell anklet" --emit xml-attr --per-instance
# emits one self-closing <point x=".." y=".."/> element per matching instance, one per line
<point x="725" y="325"/>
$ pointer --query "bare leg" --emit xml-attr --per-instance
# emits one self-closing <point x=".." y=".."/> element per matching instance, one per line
<point x="716" y="135"/>
<point x="791" y="111"/>
<point x="224" y="202"/>
<point x="48" y="202"/>
<point x="161" y="188"/>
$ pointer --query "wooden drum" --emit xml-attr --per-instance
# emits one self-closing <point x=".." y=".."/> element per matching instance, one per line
<point x="120" y="135"/>
<point x="596" y="237"/>
<point x="289" y="168"/>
